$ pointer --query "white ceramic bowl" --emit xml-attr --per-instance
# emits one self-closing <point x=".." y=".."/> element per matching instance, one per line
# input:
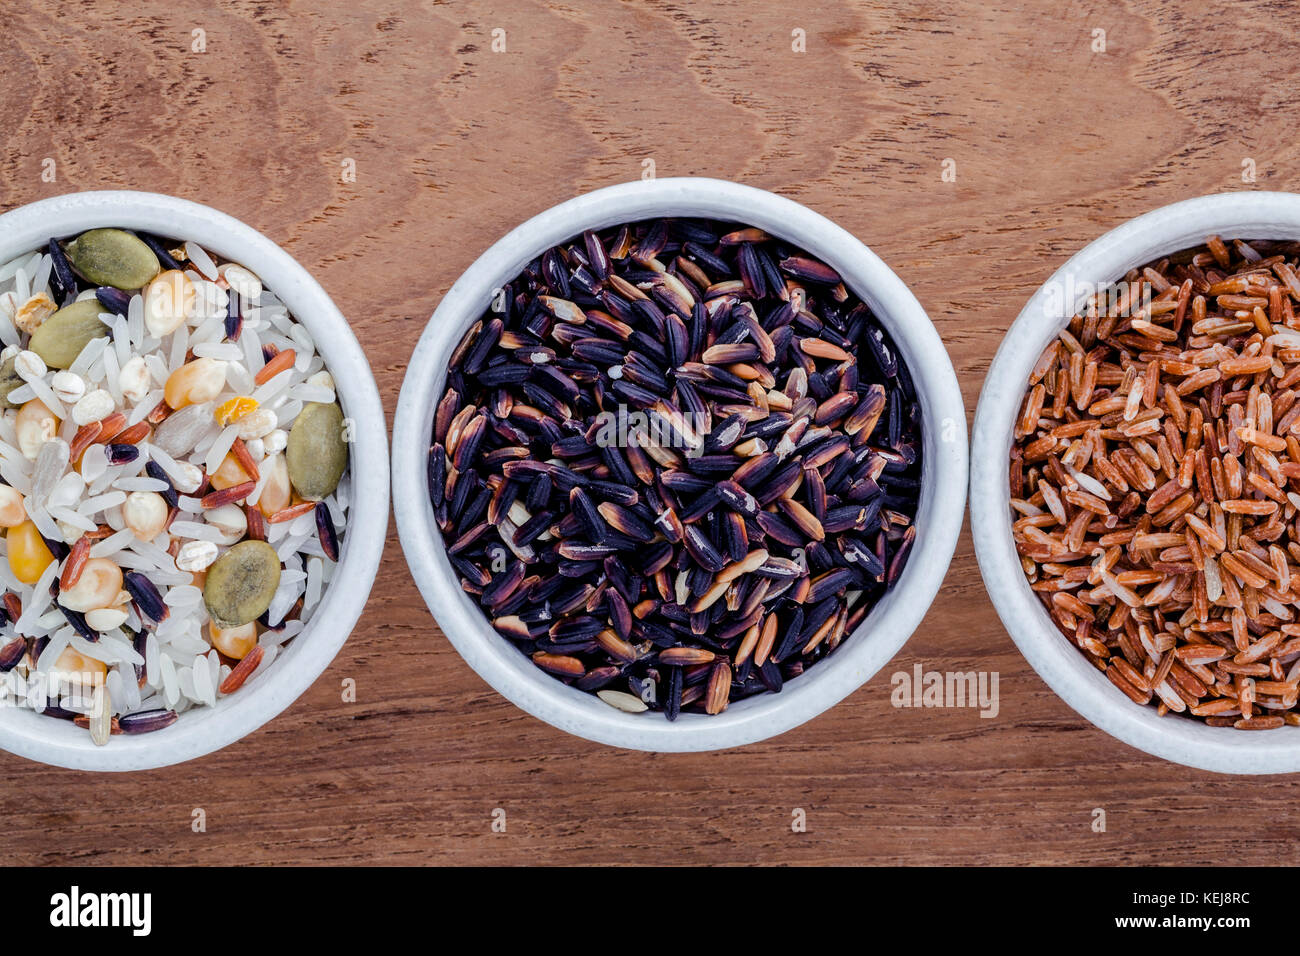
<point x="206" y="729"/>
<point x="887" y="627"/>
<point x="1251" y="215"/>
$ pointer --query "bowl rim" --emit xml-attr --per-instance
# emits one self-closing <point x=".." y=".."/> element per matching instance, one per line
<point x="27" y="227"/>
<point x="896" y="617"/>
<point x="1167" y="229"/>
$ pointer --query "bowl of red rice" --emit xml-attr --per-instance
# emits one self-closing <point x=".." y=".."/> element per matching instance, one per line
<point x="193" y="456"/>
<point x="1132" y="482"/>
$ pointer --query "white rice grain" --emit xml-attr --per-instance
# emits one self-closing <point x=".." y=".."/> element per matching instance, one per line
<point x="58" y="642"/>
<point x="121" y="340"/>
<point x="226" y="351"/>
<point x="131" y="699"/>
<point x="287" y="412"/>
<point x="94" y="462"/>
<point x="34" y="604"/>
<point x="185" y="678"/>
<point x="180" y="344"/>
<point x="269" y="655"/>
<point x="44" y="523"/>
<point x="252" y="346"/>
<point x="312" y="393"/>
<point x="22" y="394"/>
<point x="135" y="320"/>
<point x="212" y="329"/>
<point x="8" y="333"/>
<point x="201" y="260"/>
<point x="202" y="677"/>
<point x="221" y="447"/>
<point x="116" y="650"/>
<point x="285" y="596"/>
<point x="10" y="268"/>
<point x="41" y="280"/>
<point x="238" y="379"/>
<point x="151" y="662"/>
<point x="306" y="348"/>
<point x="197" y="531"/>
<point x="303" y="525"/>
<point x="14" y="475"/>
<point x="67" y="491"/>
<point x="87" y="356"/>
<point x="147" y="405"/>
<point x="184" y="596"/>
<point x="290" y="545"/>
<point x="266" y="393"/>
<point x="112" y="374"/>
<point x="74" y="518"/>
<point x="314" y="579"/>
<point x="101" y="502"/>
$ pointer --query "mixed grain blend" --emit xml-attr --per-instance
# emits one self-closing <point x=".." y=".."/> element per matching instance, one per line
<point x="173" y="462"/>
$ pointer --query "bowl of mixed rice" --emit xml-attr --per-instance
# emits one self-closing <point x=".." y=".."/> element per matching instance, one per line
<point x="192" y="453"/>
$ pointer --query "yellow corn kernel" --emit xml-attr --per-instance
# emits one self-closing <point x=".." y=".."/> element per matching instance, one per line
<point x="34" y="425"/>
<point x="28" y="555"/>
<point x="145" y="513"/>
<point x="228" y="474"/>
<point x="194" y="382"/>
<point x="276" y="492"/>
<point x="168" y="300"/>
<point x="234" y="642"/>
<point x="98" y="586"/>
<point x="12" y="510"/>
<point x="233" y="409"/>
<point x="72" y="665"/>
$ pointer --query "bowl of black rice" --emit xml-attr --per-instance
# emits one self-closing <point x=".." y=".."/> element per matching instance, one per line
<point x="679" y="464"/>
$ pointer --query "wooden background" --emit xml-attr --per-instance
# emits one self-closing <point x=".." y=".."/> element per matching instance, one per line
<point x="454" y="144"/>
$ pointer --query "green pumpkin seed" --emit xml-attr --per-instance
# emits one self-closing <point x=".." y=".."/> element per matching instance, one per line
<point x="316" y="453"/>
<point x="112" y="257"/>
<point x="241" y="583"/>
<point x="9" y="380"/>
<point x="62" y="336"/>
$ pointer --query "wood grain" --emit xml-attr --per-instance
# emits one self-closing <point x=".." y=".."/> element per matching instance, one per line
<point x="454" y="144"/>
